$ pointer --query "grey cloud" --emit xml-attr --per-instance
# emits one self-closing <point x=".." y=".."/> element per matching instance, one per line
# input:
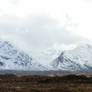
<point x="35" y="32"/>
<point x="8" y="24"/>
<point x="44" y="31"/>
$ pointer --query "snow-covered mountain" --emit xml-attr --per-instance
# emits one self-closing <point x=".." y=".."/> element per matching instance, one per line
<point x="76" y="58"/>
<point x="79" y="58"/>
<point x="11" y="58"/>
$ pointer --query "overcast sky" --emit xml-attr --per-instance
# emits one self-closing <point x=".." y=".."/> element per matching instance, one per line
<point x="34" y="25"/>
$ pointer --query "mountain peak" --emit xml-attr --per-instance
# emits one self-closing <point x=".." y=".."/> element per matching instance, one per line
<point x="77" y="58"/>
<point x="15" y="59"/>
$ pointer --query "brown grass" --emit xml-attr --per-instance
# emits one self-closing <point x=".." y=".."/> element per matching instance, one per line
<point x="68" y="83"/>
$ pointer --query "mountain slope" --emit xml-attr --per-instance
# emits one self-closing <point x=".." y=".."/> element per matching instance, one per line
<point x="50" y="54"/>
<point x="79" y="58"/>
<point x="12" y="58"/>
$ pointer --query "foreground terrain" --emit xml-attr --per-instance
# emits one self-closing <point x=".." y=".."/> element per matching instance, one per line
<point x="51" y="83"/>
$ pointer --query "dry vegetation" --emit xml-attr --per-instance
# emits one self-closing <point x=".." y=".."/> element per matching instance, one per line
<point x="68" y="83"/>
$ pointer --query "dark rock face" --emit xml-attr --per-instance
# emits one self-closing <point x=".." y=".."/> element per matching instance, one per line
<point x="1" y="63"/>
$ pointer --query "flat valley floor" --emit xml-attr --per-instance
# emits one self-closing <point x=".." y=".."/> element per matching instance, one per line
<point x="51" y="83"/>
